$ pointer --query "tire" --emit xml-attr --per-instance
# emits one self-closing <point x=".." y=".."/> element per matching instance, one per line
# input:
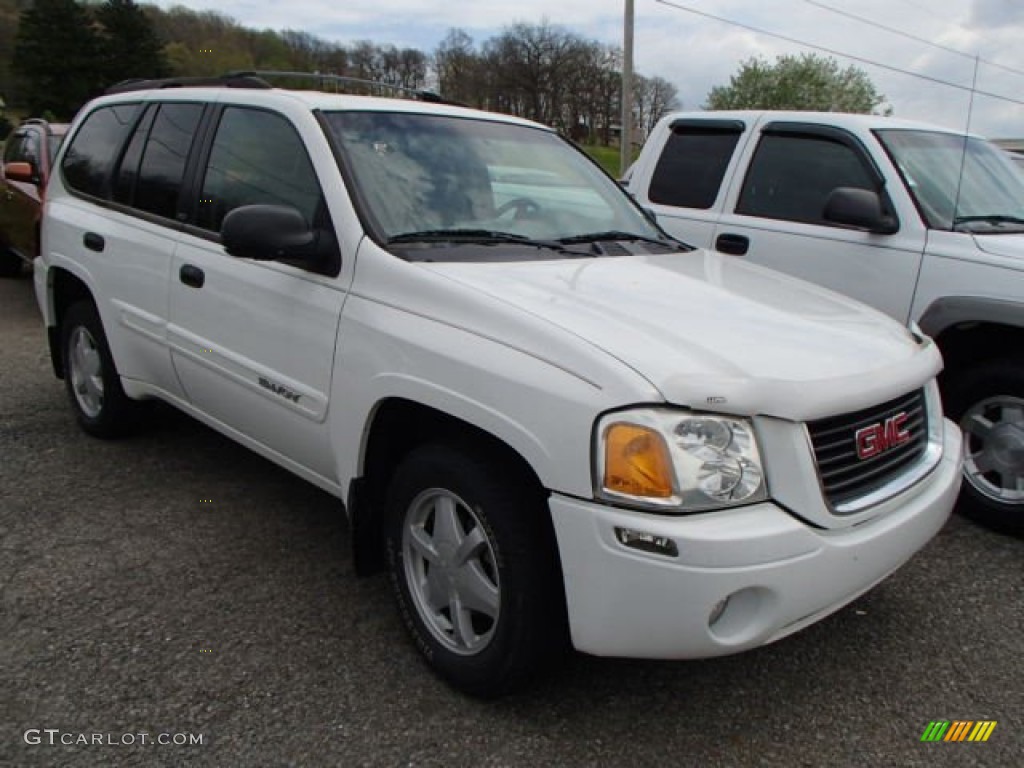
<point x="10" y="264"/>
<point x="987" y="401"/>
<point x="492" y="615"/>
<point x="92" y="381"/>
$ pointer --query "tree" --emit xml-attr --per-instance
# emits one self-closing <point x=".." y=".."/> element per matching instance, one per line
<point x="56" y="58"/>
<point x="654" y="98"/>
<point x="128" y="43"/>
<point x="808" y="82"/>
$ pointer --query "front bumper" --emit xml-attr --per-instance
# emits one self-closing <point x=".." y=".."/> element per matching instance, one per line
<point x="778" y="573"/>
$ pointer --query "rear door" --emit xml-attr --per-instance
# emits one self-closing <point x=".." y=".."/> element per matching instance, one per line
<point x="124" y="168"/>
<point x="253" y="341"/>
<point x="774" y="216"/>
<point x="687" y="185"/>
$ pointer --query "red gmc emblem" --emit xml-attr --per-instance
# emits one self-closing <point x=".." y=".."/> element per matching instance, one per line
<point x="880" y="437"/>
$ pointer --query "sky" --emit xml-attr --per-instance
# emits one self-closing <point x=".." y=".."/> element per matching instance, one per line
<point x="982" y="41"/>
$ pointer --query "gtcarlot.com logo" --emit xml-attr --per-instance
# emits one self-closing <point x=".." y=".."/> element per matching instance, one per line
<point x="55" y="736"/>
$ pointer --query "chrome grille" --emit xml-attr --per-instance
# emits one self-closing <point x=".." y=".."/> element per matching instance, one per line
<point x="845" y="476"/>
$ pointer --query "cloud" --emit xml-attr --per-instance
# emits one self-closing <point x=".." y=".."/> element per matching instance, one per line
<point x="696" y="53"/>
<point x="996" y="14"/>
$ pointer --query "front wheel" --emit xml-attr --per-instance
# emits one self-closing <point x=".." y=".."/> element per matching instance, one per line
<point x="474" y="567"/>
<point x="987" y="402"/>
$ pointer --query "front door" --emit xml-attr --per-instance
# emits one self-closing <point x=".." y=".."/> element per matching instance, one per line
<point x="776" y="214"/>
<point x="253" y="341"/>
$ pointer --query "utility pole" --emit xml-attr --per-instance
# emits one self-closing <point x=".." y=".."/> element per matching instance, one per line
<point x="626" y="134"/>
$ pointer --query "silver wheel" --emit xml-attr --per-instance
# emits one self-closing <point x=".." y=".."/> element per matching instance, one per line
<point x="994" y="448"/>
<point x="451" y="572"/>
<point x="86" y="370"/>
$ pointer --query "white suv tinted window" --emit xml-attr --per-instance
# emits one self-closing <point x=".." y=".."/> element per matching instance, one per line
<point x="89" y="159"/>
<point x="257" y="157"/>
<point x="163" y="160"/>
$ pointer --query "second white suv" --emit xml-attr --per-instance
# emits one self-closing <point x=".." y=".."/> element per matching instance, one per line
<point x="546" y="417"/>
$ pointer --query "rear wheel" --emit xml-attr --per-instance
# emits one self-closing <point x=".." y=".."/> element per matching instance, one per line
<point x="91" y="379"/>
<point x="474" y="567"/>
<point x="988" y="403"/>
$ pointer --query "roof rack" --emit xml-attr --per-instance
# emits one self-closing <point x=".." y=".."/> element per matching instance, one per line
<point x="230" y="80"/>
<point x="324" y="78"/>
<point x="256" y="79"/>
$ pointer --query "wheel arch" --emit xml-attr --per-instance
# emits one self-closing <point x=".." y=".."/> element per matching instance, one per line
<point x="973" y="328"/>
<point x="397" y="426"/>
<point x="64" y="290"/>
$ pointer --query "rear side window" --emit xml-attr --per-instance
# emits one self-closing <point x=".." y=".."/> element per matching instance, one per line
<point x="692" y="165"/>
<point x="87" y="163"/>
<point x="163" y="159"/>
<point x="257" y="157"/>
<point x="792" y="176"/>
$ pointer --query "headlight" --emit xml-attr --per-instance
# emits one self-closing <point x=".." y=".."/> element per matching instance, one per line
<point x="672" y="460"/>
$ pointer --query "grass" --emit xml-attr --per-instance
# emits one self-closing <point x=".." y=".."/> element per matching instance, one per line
<point x="608" y="157"/>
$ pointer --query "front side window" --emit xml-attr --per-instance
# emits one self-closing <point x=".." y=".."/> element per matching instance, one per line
<point x="90" y="158"/>
<point x="958" y="182"/>
<point x="257" y="157"/>
<point x="29" y="152"/>
<point x="163" y="159"/>
<point x="437" y="175"/>
<point x="792" y="176"/>
<point x="692" y="165"/>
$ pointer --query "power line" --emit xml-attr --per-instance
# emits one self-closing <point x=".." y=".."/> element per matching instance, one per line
<point x="834" y="52"/>
<point x="915" y="38"/>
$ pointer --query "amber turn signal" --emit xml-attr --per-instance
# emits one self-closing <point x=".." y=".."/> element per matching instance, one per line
<point x="636" y="462"/>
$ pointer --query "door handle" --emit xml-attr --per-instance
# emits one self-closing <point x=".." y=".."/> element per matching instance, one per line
<point x="192" y="276"/>
<point x="93" y="242"/>
<point x="734" y="245"/>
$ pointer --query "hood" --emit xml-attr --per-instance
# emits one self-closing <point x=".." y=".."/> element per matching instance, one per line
<point x="710" y="331"/>
<point x="1008" y="246"/>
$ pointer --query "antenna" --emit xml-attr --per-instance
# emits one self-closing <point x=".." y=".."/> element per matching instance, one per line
<point x="967" y="136"/>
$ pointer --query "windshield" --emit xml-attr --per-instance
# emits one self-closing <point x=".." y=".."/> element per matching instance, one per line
<point x="991" y="197"/>
<point x="434" y="178"/>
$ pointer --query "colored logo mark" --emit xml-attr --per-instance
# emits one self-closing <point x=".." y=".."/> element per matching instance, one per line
<point x="958" y="730"/>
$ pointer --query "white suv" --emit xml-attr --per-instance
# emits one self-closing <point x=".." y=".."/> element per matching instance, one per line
<point x="546" y="417"/>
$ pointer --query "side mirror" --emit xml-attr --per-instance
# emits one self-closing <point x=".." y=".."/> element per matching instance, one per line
<point x="280" y="233"/>
<point x="21" y="171"/>
<point x="266" y="233"/>
<point x="860" y="209"/>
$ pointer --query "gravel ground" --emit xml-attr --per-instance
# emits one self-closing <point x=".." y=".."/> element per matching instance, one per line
<point x="175" y="583"/>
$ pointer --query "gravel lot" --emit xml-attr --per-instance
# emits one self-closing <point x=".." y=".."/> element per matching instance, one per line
<point x="177" y="583"/>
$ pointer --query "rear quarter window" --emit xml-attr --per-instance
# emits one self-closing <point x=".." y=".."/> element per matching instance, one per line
<point x="87" y="164"/>
<point x="692" y="165"/>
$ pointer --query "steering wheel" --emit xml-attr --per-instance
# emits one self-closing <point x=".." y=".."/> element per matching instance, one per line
<point x="524" y="208"/>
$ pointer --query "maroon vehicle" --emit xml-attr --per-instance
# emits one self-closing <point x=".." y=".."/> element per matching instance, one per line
<point x="28" y="156"/>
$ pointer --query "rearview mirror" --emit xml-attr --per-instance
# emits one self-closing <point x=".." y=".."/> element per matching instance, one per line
<point x="860" y="209"/>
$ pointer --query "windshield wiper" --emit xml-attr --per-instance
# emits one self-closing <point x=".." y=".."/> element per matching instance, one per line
<point x="614" y="234"/>
<point x="994" y="218"/>
<point x="481" y="236"/>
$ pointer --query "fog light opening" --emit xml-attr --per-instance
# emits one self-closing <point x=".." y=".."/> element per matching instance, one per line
<point x="647" y="542"/>
<point x="717" y="611"/>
